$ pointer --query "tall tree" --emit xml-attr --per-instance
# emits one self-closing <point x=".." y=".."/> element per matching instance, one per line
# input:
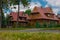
<point x="3" y="4"/>
<point x="24" y="2"/>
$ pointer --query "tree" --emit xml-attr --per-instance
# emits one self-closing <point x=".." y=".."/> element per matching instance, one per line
<point x="38" y="25"/>
<point x="14" y="2"/>
<point x="28" y="11"/>
<point x="7" y="20"/>
<point x="3" y="4"/>
<point x="24" y="2"/>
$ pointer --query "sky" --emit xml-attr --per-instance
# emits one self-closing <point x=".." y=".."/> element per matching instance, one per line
<point x="54" y="4"/>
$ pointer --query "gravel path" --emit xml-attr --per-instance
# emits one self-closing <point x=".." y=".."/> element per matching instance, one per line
<point x="32" y="30"/>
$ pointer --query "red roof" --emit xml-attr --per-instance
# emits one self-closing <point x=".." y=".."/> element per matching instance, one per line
<point x="21" y="14"/>
<point x="42" y="11"/>
<point x="27" y="16"/>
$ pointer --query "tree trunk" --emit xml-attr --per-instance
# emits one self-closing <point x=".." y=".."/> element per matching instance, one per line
<point x="1" y="15"/>
<point x="18" y="16"/>
<point x="0" y="18"/>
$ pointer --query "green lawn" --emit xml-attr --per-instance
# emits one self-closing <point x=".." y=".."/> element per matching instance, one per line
<point x="29" y="36"/>
<point x="57" y="28"/>
<point x="12" y="28"/>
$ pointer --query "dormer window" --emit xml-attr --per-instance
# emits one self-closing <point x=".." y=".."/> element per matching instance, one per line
<point x="48" y="15"/>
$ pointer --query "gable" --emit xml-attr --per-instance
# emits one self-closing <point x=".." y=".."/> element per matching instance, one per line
<point x="35" y="9"/>
<point x="48" y="9"/>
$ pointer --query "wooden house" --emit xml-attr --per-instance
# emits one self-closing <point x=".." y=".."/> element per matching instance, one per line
<point x="42" y="15"/>
<point x="22" y="19"/>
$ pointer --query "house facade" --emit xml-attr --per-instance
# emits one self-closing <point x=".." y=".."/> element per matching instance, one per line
<point x="43" y="15"/>
<point x="38" y="14"/>
<point x="22" y="20"/>
<point x="58" y="16"/>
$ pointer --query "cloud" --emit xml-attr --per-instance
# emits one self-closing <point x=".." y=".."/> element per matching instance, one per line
<point x="33" y="4"/>
<point x="55" y="10"/>
<point x="22" y="8"/>
<point x="55" y="4"/>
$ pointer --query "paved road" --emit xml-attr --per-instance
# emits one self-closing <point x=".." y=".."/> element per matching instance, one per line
<point x="32" y="30"/>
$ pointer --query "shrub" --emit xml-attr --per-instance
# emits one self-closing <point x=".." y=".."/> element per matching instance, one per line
<point x="38" y="25"/>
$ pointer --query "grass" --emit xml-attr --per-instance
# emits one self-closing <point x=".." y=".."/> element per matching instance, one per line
<point x="57" y="28"/>
<point x="12" y="28"/>
<point x="29" y="36"/>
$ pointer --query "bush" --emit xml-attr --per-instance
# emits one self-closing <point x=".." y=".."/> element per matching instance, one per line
<point x="37" y="25"/>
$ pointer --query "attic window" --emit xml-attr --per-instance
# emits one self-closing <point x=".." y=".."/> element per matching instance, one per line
<point x="48" y="15"/>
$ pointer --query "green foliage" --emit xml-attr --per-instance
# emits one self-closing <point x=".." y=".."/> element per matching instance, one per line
<point x="2" y="20"/>
<point x="28" y="11"/>
<point x="24" y="2"/>
<point x="3" y="3"/>
<point x="44" y="25"/>
<point x="7" y="21"/>
<point x="38" y="25"/>
<point x="14" y="25"/>
<point x="57" y="25"/>
<point x="53" y="24"/>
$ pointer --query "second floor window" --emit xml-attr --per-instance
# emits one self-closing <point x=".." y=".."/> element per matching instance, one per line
<point x="21" y="18"/>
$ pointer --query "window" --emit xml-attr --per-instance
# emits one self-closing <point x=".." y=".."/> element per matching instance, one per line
<point x="21" y="18"/>
<point x="48" y="15"/>
<point x="53" y="22"/>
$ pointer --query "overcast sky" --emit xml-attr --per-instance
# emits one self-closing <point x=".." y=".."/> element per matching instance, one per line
<point x="54" y="4"/>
